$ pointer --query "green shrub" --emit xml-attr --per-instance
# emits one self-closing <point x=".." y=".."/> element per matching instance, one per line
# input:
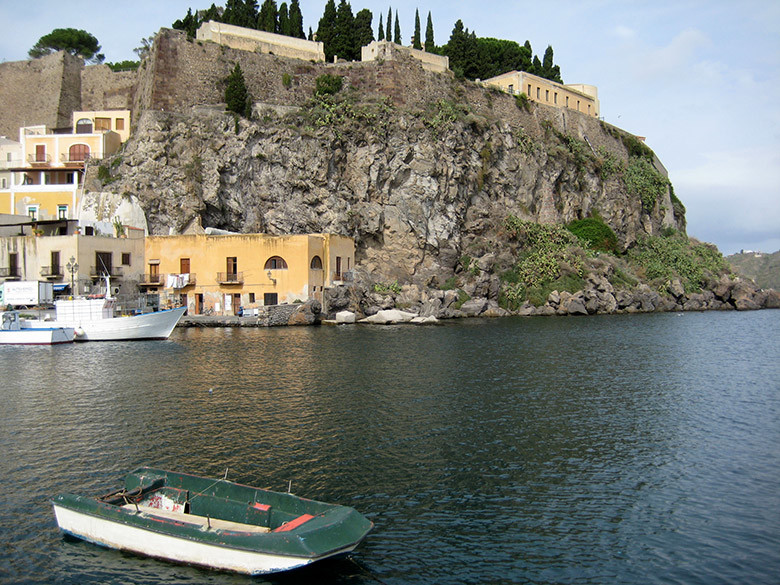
<point x="596" y="233"/>
<point x="643" y="180"/>
<point x="522" y="102"/>
<point x="286" y="80"/>
<point x="328" y="84"/>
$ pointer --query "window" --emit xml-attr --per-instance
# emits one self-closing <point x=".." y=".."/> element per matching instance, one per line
<point x="232" y="265"/>
<point x="567" y="101"/>
<point x="547" y="95"/>
<point x="40" y="153"/>
<point x="47" y="178"/>
<point x="529" y="89"/>
<point x="555" y="97"/>
<point x="62" y="212"/>
<point x="102" y="124"/>
<point x="511" y="88"/>
<point x="84" y="126"/>
<point x="8" y="157"/>
<point x="538" y="92"/>
<point x="103" y="262"/>
<point x="13" y="264"/>
<point x="275" y="263"/>
<point x="184" y="265"/>
<point x="3" y="184"/>
<point x="270" y="299"/>
<point x="578" y="105"/>
<point x="251" y="298"/>
<point x="125" y="258"/>
<point x="55" y="263"/>
<point x="78" y="152"/>
<point x="316" y="263"/>
<point x="32" y="211"/>
<point x="119" y="124"/>
<point x="89" y="230"/>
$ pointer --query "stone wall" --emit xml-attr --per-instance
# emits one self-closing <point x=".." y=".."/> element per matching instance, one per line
<point x="389" y="51"/>
<point x="39" y="91"/>
<point x="103" y="89"/>
<point x="258" y="41"/>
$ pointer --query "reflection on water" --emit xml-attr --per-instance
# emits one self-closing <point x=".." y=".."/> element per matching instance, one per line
<point x="632" y="449"/>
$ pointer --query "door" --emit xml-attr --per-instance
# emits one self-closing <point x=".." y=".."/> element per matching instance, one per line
<point x="198" y="303"/>
<point x="154" y="273"/>
<point x="184" y="266"/>
<point x="103" y="263"/>
<point x="236" y="304"/>
<point x="40" y="153"/>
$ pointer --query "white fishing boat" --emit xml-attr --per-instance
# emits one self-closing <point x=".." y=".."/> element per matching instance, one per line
<point x="12" y="333"/>
<point x="95" y="319"/>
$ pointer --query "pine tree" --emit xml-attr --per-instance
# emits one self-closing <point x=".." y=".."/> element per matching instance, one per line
<point x="364" y="32"/>
<point x="327" y="28"/>
<point x="430" y="45"/>
<point x="268" y="19"/>
<point x="284" y="20"/>
<point x="296" y="20"/>
<point x="381" y="35"/>
<point x="236" y="94"/>
<point x="213" y="13"/>
<point x="188" y="24"/>
<point x="397" y="33"/>
<point x="416" y="43"/>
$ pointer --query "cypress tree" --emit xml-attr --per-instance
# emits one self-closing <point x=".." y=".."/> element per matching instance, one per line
<point x="381" y="35"/>
<point x="284" y="20"/>
<point x="343" y="42"/>
<point x="364" y="33"/>
<point x="429" y="43"/>
<point x="327" y="28"/>
<point x="416" y="43"/>
<point x="212" y="14"/>
<point x="388" y="24"/>
<point x="397" y="33"/>
<point x="236" y="94"/>
<point x="268" y="19"/>
<point x="296" y="20"/>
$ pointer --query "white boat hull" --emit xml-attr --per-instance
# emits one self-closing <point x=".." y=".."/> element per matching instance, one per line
<point x="157" y="325"/>
<point x="145" y="542"/>
<point x="42" y="336"/>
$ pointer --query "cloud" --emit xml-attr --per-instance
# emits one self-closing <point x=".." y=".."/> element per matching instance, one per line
<point x="624" y="32"/>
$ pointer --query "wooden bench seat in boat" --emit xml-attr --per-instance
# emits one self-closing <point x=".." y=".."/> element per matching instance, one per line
<point x="215" y="523"/>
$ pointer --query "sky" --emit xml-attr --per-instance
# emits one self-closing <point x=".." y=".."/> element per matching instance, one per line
<point x="700" y="79"/>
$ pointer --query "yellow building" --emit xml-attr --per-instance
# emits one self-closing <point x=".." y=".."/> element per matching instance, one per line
<point x="578" y="96"/>
<point x="224" y="274"/>
<point x="103" y="121"/>
<point x="47" y="183"/>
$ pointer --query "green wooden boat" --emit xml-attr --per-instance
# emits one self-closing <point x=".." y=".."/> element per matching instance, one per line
<point x="212" y="523"/>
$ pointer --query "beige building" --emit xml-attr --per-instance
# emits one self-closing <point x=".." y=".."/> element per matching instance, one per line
<point x="226" y="273"/>
<point x="389" y="51"/>
<point x="247" y="39"/>
<point x="10" y="158"/>
<point x="578" y="97"/>
<point x="47" y="251"/>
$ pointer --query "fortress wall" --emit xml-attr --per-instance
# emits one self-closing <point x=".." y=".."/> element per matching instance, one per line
<point x="102" y="89"/>
<point x="38" y="91"/>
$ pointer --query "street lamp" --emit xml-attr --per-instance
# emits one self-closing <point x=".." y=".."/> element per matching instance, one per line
<point x="73" y="268"/>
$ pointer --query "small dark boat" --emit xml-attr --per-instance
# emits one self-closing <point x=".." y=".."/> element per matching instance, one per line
<point x="212" y="523"/>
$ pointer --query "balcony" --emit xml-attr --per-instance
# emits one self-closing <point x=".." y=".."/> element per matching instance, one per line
<point x="152" y="280"/>
<point x="113" y="272"/>
<point x="52" y="272"/>
<point x="10" y="273"/>
<point x="230" y="277"/>
<point x="43" y="160"/>
<point x="75" y="160"/>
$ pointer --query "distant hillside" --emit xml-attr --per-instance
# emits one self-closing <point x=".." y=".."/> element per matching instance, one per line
<point x="764" y="269"/>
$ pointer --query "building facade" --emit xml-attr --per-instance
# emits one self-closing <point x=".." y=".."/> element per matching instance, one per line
<point x="578" y="97"/>
<point x="48" y="180"/>
<point x="228" y="274"/>
<point x="57" y="252"/>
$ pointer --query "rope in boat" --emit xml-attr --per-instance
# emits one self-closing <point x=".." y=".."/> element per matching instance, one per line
<point x="208" y="487"/>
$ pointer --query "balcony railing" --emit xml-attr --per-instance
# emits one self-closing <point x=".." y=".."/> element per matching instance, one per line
<point x="10" y="272"/>
<point x="230" y="277"/>
<point x="114" y="271"/>
<point x="75" y="159"/>
<point x="51" y="271"/>
<point x="39" y="159"/>
<point x="152" y="280"/>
